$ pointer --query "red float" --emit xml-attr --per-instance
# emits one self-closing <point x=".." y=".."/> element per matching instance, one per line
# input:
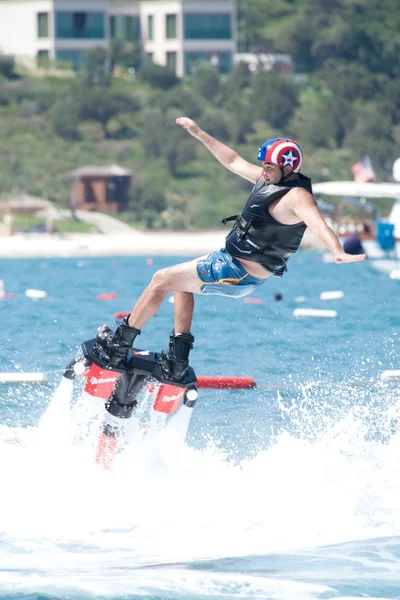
<point x="109" y="296"/>
<point x="226" y="383"/>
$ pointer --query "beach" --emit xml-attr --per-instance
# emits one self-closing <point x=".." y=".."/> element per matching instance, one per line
<point x="137" y="243"/>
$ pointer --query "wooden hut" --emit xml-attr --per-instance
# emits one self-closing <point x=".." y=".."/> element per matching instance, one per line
<point x="101" y="188"/>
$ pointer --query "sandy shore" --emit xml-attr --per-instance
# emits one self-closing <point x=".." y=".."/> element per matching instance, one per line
<point x="135" y="244"/>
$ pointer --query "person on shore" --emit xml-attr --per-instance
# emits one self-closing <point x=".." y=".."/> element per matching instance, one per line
<point x="266" y="233"/>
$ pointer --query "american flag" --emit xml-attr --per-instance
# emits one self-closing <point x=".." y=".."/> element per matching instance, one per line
<point x="363" y="171"/>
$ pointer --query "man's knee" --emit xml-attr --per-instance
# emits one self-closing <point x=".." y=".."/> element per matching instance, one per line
<point x="161" y="280"/>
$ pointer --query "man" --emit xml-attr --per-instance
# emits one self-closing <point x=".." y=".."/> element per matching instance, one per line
<point x="267" y="232"/>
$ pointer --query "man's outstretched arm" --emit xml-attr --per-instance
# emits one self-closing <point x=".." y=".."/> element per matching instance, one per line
<point x="305" y="207"/>
<point x="225" y="155"/>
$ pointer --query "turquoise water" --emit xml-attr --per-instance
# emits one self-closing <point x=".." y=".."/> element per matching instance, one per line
<point x="287" y="491"/>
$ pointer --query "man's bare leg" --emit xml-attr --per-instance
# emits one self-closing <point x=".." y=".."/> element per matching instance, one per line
<point x="179" y="278"/>
<point x="183" y="311"/>
<point x="182" y="279"/>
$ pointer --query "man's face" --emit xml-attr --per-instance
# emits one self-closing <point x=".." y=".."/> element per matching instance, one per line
<point x="271" y="173"/>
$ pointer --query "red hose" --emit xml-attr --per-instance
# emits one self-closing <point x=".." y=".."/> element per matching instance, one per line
<point x="226" y="383"/>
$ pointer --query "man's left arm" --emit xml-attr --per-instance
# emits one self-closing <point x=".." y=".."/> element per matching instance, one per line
<point x="306" y="209"/>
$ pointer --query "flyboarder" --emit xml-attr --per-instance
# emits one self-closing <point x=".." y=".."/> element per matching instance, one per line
<point x="265" y="234"/>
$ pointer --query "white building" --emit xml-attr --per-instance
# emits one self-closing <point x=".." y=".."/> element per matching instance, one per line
<point x="178" y="33"/>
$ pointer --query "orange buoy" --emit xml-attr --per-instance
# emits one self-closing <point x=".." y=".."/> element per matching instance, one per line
<point x="226" y="383"/>
<point x="122" y="314"/>
<point x="109" y="296"/>
<point x="253" y="300"/>
<point x="149" y="261"/>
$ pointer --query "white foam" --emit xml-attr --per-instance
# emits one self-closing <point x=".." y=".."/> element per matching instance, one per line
<point x="390" y="374"/>
<point x="160" y="505"/>
<point x="335" y="295"/>
<point x="180" y="582"/>
<point x="315" y="312"/>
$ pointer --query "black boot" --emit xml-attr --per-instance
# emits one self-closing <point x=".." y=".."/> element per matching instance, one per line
<point x="113" y="347"/>
<point x="175" y="362"/>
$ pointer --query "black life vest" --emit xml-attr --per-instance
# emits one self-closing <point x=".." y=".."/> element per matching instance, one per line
<point x="257" y="236"/>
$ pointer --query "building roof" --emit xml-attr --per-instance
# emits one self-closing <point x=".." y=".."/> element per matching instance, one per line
<point x="101" y="171"/>
<point x="24" y="203"/>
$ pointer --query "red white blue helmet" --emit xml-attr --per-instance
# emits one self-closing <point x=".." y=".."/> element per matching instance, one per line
<point x="282" y="152"/>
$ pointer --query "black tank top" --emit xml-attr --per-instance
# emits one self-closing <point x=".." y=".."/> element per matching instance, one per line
<point x="257" y="236"/>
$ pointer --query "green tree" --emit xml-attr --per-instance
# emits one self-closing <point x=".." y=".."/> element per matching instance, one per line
<point x="181" y="98"/>
<point x="148" y="201"/>
<point x="206" y="82"/>
<point x="340" y="77"/>
<point x="158" y="76"/>
<point x="125" y="54"/>
<point x="101" y="105"/>
<point x="322" y="120"/>
<point x="64" y="120"/>
<point x="240" y="123"/>
<point x="239" y="79"/>
<point x="216" y="123"/>
<point x="274" y="98"/>
<point x="7" y="67"/>
<point x="373" y="134"/>
<point x="177" y="152"/>
<point x="96" y="69"/>
<point x="154" y="132"/>
<point x="315" y="31"/>
<point x="252" y="17"/>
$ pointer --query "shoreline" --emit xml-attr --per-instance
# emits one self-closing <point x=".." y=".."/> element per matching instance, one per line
<point x="136" y="244"/>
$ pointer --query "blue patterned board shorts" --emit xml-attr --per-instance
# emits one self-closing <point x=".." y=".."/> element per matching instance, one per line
<point x="223" y="275"/>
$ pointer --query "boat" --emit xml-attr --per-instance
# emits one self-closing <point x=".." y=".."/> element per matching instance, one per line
<point x="367" y="231"/>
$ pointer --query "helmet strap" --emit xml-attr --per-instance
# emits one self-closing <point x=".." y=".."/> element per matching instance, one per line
<point x="283" y="176"/>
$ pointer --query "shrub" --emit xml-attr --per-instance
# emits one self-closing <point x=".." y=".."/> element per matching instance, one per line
<point x="64" y="120"/>
<point x="158" y="76"/>
<point x="7" y="67"/>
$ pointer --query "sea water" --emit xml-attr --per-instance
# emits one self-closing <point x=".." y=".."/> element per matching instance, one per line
<point x="288" y="491"/>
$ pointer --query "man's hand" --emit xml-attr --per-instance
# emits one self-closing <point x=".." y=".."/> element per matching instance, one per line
<point x="189" y="124"/>
<point x="343" y="257"/>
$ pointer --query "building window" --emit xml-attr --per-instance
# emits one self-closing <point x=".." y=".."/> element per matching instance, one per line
<point x="149" y="56"/>
<point x="207" y="27"/>
<point x="125" y="28"/>
<point x="171" y="61"/>
<point x="72" y="58"/>
<point x="42" y="58"/>
<point x="170" y="27"/>
<point x="222" y="61"/>
<point x="132" y="27"/>
<point x="80" y="25"/>
<point x="43" y="25"/>
<point x="150" y="27"/>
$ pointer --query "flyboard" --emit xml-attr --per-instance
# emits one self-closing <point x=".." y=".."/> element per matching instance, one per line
<point x="123" y="390"/>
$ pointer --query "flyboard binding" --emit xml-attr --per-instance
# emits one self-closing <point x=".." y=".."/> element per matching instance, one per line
<point x="121" y="389"/>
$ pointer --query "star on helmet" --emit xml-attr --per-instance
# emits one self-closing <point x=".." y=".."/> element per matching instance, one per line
<point x="289" y="159"/>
